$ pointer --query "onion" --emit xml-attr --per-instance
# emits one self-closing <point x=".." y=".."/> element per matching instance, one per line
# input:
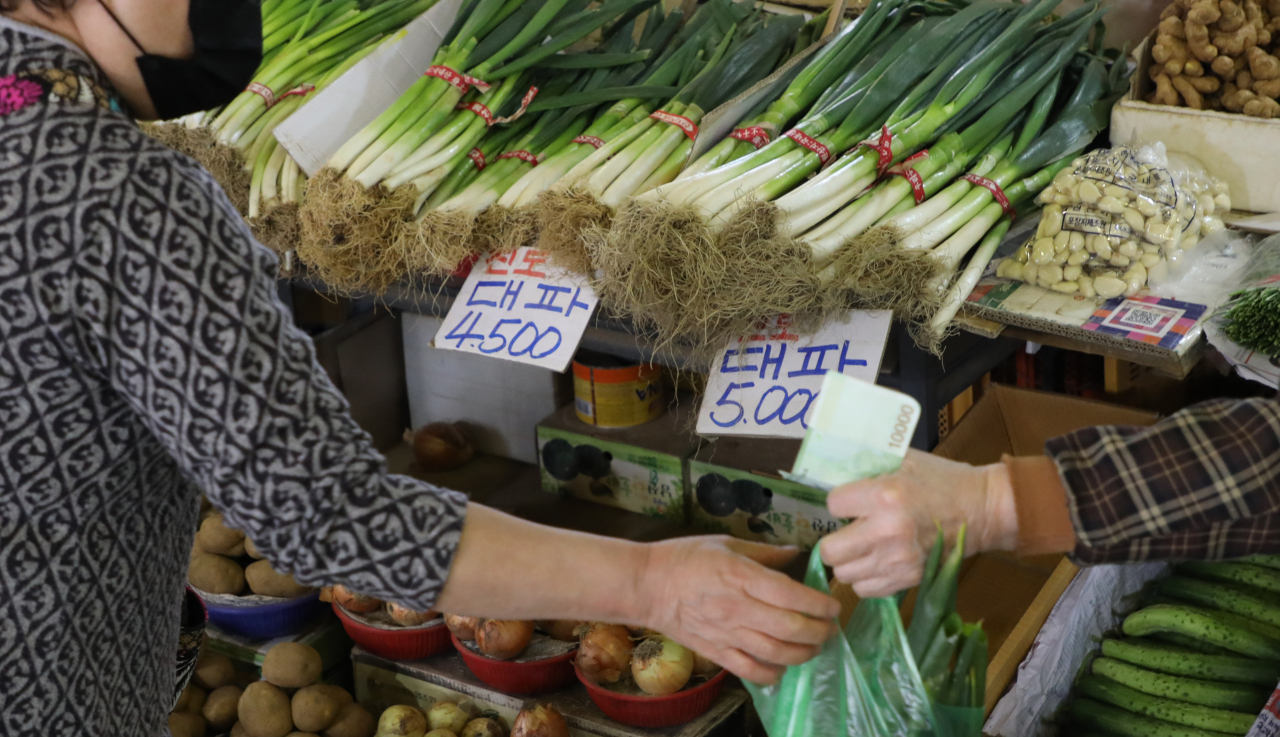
<point x="540" y="721"/>
<point x="565" y="630"/>
<point x="641" y="631"/>
<point x="440" y="446"/>
<point x="463" y="628"/>
<point x="703" y="667"/>
<point x="447" y="715"/>
<point x="503" y="639"/>
<point x="483" y="727"/>
<point x="662" y="666"/>
<point x="326" y="593"/>
<point x="402" y="721"/>
<point x="353" y="602"/>
<point x="407" y="617"/>
<point x="604" y="653"/>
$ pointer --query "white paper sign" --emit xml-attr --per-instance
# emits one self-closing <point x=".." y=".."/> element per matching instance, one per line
<point x="517" y="307"/>
<point x="765" y="386"/>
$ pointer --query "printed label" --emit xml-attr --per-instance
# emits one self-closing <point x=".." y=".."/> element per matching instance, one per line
<point x="524" y="105"/>
<point x="1147" y="319"/>
<point x="591" y="141"/>
<point x="883" y="145"/>
<point x="478" y="109"/>
<point x="912" y="176"/>
<point x="264" y="92"/>
<point x="688" y="126"/>
<point x="995" y="190"/>
<point x="755" y="135"/>
<point x="524" y="156"/>
<point x="811" y="143"/>
<point x="477" y="158"/>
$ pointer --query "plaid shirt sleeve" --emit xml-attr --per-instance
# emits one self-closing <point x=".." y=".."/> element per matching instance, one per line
<point x="1204" y="484"/>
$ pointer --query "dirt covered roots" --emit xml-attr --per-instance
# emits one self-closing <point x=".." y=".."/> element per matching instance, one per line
<point x="225" y="163"/>
<point x="563" y="218"/>
<point x="664" y="267"/>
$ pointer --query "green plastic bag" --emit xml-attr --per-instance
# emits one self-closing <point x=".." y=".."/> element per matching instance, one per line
<point x="864" y="683"/>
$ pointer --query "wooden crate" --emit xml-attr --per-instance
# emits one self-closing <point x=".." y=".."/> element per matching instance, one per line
<point x="381" y="683"/>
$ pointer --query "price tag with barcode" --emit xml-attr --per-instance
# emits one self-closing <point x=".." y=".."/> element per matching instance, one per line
<point x="765" y="385"/>
<point x="517" y="307"/>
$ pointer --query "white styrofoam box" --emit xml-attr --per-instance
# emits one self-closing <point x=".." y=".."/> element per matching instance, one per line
<point x="318" y="129"/>
<point x="503" y="401"/>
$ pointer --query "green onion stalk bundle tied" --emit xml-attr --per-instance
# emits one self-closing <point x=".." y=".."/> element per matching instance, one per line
<point x="1252" y="317"/>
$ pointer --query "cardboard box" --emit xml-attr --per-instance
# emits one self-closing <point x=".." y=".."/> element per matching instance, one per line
<point x="1013" y="596"/>
<point x="640" y="469"/>
<point x="381" y="683"/>
<point x="796" y="514"/>
<point x="499" y="400"/>
<point x="1227" y="143"/>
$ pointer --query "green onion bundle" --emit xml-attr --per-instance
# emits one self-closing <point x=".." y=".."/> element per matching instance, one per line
<point x="1252" y="317"/>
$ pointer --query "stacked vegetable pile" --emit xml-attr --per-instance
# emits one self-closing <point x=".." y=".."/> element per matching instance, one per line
<point x="502" y="114"/>
<point x="224" y="561"/>
<point x="368" y="605"/>
<point x="307" y="44"/>
<point x="1218" y="55"/>
<point x="288" y="699"/>
<point x="816" y="220"/>
<point x="1198" y="660"/>
<point x="443" y="719"/>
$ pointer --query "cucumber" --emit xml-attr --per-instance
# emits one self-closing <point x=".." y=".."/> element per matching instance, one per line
<point x="1248" y="574"/>
<point x="1191" y="643"/>
<point x="1253" y="604"/>
<point x="1179" y="662"/>
<point x="1230" y="696"/>
<point x="1270" y="561"/>
<point x="1249" y="623"/>
<point x="1190" y="715"/>
<point x="1113" y="720"/>
<point x="1200" y="624"/>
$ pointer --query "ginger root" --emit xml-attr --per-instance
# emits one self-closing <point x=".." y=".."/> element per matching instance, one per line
<point x="1235" y="43"/>
<point x="1189" y="93"/>
<point x="1234" y="98"/>
<point x="1172" y="53"/>
<point x="1203" y="85"/>
<point x="1262" y="107"/>
<point x="1269" y="88"/>
<point x="1165" y="94"/>
<point x="1171" y="26"/>
<point x="1198" y="41"/>
<point x="1233" y="16"/>
<point x="1244" y="80"/>
<point x="1264" y="66"/>
<point x="1228" y="67"/>
<point x="1204" y="12"/>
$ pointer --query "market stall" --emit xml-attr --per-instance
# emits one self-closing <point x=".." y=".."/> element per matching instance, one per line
<point x="618" y="264"/>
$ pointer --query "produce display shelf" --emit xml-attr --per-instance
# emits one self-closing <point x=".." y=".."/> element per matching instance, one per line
<point x="932" y="380"/>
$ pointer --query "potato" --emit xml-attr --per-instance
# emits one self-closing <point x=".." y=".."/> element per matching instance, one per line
<point x="264" y="711"/>
<point x="222" y="708"/>
<point x="215" y="574"/>
<point x="215" y="537"/>
<point x="191" y="700"/>
<point x="251" y="550"/>
<point x="302" y="734"/>
<point x="238" y="730"/>
<point x="263" y="579"/>
<point x="291" y="665"/>
<point x="337" y="693"/>
<point x="314" y="708"/>
<point x="186" y="724"/>
<point x="213" y="670"/>
<point x="352" y="721"/>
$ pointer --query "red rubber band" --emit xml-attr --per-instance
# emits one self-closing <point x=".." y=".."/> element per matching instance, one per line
<point x="995" y="192"/>
<point x="688" y="126"/>
<point x="524" y="156"/>
<point x="477" y="158"/>
<point x="755" y="135"/>
<point x="524" y="105"/>
<point x="591" y="141"/>
<point x="811" y="143"/>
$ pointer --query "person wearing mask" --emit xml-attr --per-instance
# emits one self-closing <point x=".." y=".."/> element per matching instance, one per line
<point x="1201" y="484"/>
<point x="144" y="357"/>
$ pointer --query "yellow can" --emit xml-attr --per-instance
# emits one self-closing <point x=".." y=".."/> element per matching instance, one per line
<point x="609" y="392"/>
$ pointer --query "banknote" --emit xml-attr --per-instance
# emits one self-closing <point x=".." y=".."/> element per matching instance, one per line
<point x="859" y="430"/>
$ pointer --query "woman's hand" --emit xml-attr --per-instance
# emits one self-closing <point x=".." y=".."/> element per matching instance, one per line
<point x="716" y="595"/>
<point x="883" y="550"/>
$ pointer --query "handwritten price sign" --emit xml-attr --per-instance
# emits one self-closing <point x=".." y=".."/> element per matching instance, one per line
<point x="765" y="385"/>
<point x="516" y="307"/>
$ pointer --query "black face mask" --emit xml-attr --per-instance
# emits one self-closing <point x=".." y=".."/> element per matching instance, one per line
<point x="228" y="50"/>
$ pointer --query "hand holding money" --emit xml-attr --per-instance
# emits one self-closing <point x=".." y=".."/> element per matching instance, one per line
<point x="883" y="550"/>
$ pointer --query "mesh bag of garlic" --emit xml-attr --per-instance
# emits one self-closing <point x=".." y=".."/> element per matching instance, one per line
<point x="1114" y="217"/>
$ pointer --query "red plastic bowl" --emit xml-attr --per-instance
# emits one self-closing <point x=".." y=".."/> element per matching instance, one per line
<point x="410" y="643"/>
<point x="652" y="712"/>
<point x="537" y="676"/>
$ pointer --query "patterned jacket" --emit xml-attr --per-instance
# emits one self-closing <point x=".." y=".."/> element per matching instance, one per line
<point x="1202" y="484"/>
<point x="143" y="354"/>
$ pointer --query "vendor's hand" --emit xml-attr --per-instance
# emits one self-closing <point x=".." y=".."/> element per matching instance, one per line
<point x="883" y="551"/>
<point x="719" y="597"/>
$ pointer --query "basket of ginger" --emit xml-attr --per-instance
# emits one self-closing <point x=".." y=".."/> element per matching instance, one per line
<point x="1218" y="55"/>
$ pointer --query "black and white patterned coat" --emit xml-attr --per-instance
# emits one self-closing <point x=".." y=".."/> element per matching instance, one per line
<point x="143" y="355"/>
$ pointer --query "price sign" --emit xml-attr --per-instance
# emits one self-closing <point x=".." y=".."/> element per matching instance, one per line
<point x="765" y="385"/>
<point x="517" y="307"/>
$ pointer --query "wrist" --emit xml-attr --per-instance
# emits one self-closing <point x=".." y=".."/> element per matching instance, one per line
<point x="641" y="594"/>
<point x="1000" y="510"/>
